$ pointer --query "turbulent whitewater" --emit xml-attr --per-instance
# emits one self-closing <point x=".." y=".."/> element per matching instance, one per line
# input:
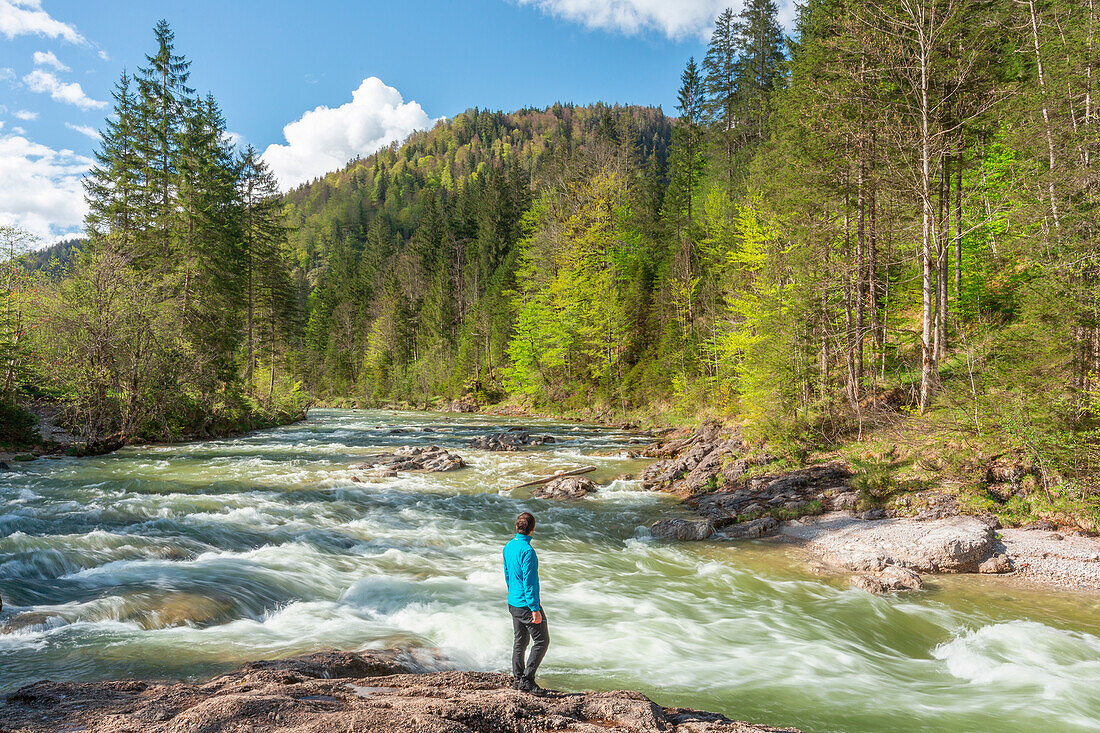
<point x="183" y="561"/>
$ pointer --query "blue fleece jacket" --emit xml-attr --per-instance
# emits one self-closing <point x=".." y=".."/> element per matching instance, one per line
<point x="521" y="571"/>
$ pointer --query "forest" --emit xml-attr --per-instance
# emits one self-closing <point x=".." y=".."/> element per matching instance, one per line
<point x="877" y="229"/>
<point x="171" y="319"/>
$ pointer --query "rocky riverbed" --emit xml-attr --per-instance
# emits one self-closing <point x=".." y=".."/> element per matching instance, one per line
<point x="386" y="691"/>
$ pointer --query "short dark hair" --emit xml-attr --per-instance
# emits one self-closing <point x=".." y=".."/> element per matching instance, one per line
<point x="525" y="523"/>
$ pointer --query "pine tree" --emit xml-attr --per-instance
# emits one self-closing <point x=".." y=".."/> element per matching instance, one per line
<point x="686" y="160"/>
<point x="113" y="186"/>
<point x="760" y="66"/>
<point x="163" y="97"/>
<point x="720" y="86"/>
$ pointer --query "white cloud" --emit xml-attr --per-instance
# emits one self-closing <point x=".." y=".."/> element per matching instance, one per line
<point x="325" y="139"/>
<point x="674" y="18"/>
<point x="19" y="131"/>
<point x="7" y="73"/>
<point x="44" y="82"/>
<point x="47" y="58"/>
<point x="85" y="130"/>
<point x="103" y="56"/>
<point x="42" y="190"/>
<point x="25" y="115"/>
<point x="26" y="17"/>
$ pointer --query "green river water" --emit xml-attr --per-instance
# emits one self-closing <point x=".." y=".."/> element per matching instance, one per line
<point x="181" y="561"/>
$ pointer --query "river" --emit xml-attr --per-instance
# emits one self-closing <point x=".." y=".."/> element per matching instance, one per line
<point x="181" y="561"/>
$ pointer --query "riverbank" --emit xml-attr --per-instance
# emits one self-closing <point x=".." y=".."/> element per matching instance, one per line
<point x="731" y="490"/>
<point x="871" y="549"/>
<point x="388" y="691"/>
<point x="54" y="439"/>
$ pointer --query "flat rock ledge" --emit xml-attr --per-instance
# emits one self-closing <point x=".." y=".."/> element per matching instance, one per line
<point x="385" y="691"/>
<point x="887" y="554"/>
<point x="952" y="545"/>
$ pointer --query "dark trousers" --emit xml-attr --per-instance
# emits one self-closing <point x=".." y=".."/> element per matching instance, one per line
<point x="524" y="631"/>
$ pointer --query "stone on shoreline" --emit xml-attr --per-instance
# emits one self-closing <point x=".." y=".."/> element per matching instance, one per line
<point x="684" y="530"/>
<point x="999" y="563"/>
<point x="566" y="487"/>
<point x="389" y="691"/>
<point x="762" y="527"/>
<point x="952" y="545"/>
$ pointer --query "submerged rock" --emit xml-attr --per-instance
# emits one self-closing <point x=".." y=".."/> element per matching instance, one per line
<point x="413" y="458"/>
<point x="341" y="691"/>
<point x="566" y="487"/>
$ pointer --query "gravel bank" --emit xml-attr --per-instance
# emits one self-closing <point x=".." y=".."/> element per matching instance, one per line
<point x="958" y="544"/>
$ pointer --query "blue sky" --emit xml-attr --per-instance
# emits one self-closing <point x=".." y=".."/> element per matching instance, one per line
<point x="273" y="63"/>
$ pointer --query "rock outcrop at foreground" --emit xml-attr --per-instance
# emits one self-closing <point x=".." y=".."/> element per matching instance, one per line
<point x="385" y="691"/>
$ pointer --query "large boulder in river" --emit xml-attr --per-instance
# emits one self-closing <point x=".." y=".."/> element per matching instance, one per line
<point x="684" y="530"/>
<point x="566" y="487"/>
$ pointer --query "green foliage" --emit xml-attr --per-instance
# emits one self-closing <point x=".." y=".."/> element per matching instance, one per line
<point x="185" y="277"/>
<point x="18" y="426"/>
<point x="874" y="479"/>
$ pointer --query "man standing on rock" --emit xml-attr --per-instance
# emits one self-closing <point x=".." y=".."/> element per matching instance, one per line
<point x="521" y="571"/>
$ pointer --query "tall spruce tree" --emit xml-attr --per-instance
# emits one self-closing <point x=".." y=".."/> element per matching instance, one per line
<point x="760" y="66"/>
<point x="164" y="99"/>
<point x="113" y="187"/>
<point x="266" y="285"/>
<point x="722" y="93"/>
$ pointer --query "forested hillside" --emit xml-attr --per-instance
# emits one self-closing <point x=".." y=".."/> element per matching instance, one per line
<point x="413" y="256"/>
<point x="892" y="212"/>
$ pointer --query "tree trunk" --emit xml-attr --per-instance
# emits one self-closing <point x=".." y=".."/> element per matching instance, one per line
<point x="928" y="365"/>
<point x="861" y="245"/>
<point x="1090" y="56"/>
<point x="1051" y="162"/>
<point x="958" y="228"/>
<point x="941" y="261"/>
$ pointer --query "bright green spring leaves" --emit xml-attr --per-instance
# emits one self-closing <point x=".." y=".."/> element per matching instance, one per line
<point x="571" y="303"/>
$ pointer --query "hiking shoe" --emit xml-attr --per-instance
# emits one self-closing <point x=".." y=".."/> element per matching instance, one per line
<point x="517" y="683"/>
<point x="532" y="689"/>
